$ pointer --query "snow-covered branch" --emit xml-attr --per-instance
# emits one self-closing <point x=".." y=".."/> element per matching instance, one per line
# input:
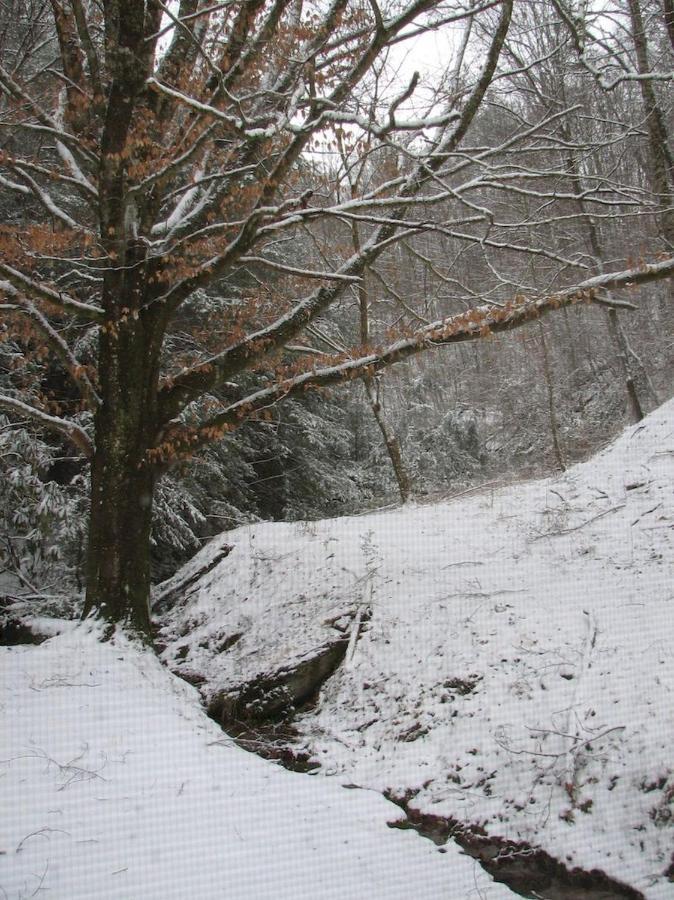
<point x="301" y="273"/>
<point x="70" y="430"/>
<point x="60" y="300"/>
<point x="468" y="326"/>
<point x="73" y="366"/>
<point x="47" y="201"/>
<point x="190" y="384"/>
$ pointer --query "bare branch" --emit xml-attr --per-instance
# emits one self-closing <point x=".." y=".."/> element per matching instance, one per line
<point x="191" y="384"/>
<point x="47" y="201"/>
<point x="302" y="273"/>
<point x="88" y="46"/>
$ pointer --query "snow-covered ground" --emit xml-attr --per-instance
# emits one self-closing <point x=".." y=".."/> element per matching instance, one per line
<point x="517" y="671"/>
<point x="114" y="784"/>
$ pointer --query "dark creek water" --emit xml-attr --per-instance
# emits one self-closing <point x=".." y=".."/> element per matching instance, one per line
<point x="259" y="717"/>
<point x="527" y="871"/>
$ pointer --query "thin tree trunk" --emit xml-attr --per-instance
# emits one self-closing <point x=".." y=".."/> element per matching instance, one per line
<point x="632" y="368"/>
<point x="552" y="412"/>
<point x="372" y="389"/>
<point x="624" y="360"/>
<point x="390" y="439"/>
<point x="635" y="366"/>
<point x="571" y="342"/>
<point x="662" y="165"/>
<point x="668" y="8"/>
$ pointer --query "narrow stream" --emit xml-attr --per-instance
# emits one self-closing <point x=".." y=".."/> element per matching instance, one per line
<point x="527" y="871"/>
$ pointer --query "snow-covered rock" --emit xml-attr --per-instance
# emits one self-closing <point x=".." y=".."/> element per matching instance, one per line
<point x="517" y="671"/>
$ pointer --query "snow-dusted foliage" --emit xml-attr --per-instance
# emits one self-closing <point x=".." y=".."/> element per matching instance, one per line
<point x="41" y="519"/>
<point x="443" y="449"/>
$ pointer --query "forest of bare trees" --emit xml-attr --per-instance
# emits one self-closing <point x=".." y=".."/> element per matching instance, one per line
<point x="215" y="212"/>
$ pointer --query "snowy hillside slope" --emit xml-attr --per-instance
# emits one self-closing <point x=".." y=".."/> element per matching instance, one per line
<point x="115" y="784"/>
<point x="517" y="671"/>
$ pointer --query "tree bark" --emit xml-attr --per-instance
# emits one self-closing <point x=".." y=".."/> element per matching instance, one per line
<point x="122" y="481"/>
<point x="668" y="9"/>
<point x="391" y="441"/>
<point x="125" y="424"/>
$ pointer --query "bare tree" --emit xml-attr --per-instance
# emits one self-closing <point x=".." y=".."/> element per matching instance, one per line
<point x="354" y="173"/>
<point x="159" y="156"/>
<point x="613" y="61"/>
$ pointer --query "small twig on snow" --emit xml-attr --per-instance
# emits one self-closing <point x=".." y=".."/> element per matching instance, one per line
<point x="604" y="512"/>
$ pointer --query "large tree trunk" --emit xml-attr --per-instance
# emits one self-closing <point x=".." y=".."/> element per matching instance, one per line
<point x="122" y="477"/>
<point x="122" y="481"/>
